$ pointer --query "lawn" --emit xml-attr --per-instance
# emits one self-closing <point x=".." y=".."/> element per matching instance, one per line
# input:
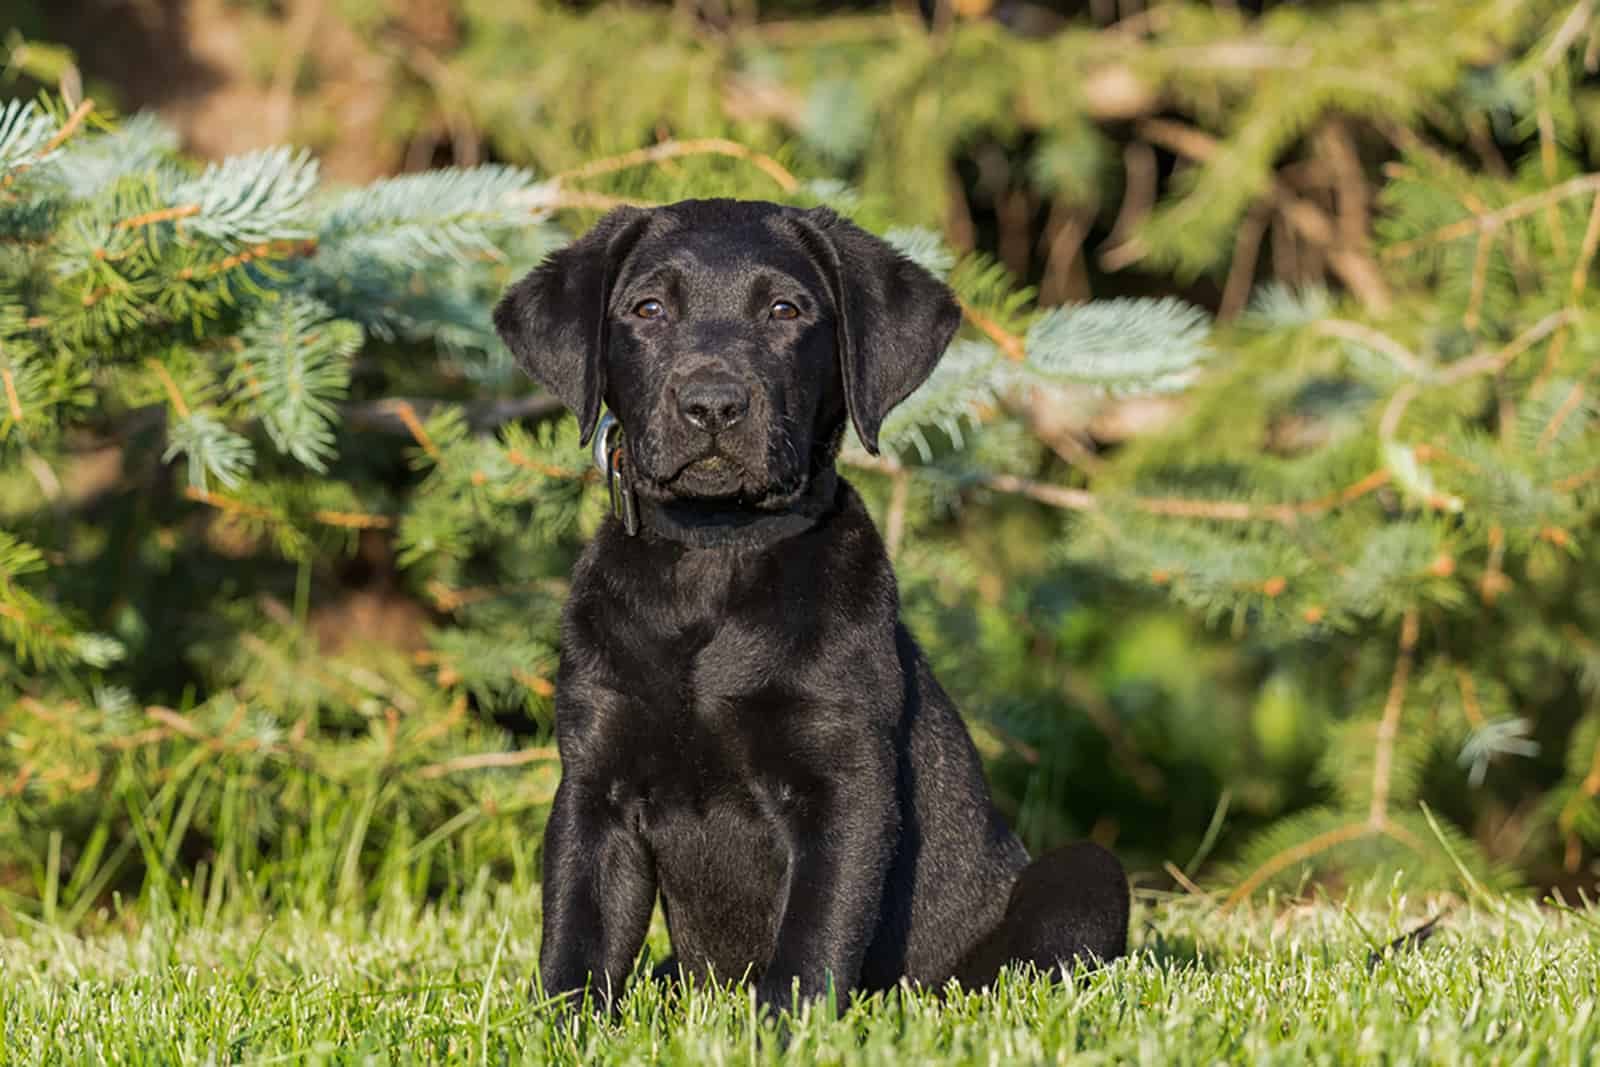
<point x="1498" y="981"/>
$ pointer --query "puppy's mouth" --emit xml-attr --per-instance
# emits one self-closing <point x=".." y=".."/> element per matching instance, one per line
<point x="721" y="480"/>
<point x="710" y="476"/>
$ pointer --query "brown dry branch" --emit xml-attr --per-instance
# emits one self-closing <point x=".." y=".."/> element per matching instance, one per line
<point x="1480" y="279"/>
<point x="1494" y="362"/>
<point x="1349" y="261"/>
<point x="1314" y="846"/>
<point x="675" y="149"/>
<point x="478" y="761"/>
<point x="1122" y="247"/>
<point x="1572" y="28"/>
<point x="1389" y="725"/>
<point x="1547" y="158"/>
<point x="1493" y="220"/>
<point x="1407" y="360"/>
<point x="1242" y="269"/>
<point x="1069" y="499"/>
<point x="1586" y="252"/>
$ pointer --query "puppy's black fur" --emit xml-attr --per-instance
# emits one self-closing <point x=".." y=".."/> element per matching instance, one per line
<point x="745" y="726"/>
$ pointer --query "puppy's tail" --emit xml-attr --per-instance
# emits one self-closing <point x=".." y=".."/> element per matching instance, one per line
<point x="1067" y="905"/>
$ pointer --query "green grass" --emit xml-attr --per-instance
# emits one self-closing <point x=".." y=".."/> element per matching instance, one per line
<point x="1501" y="982"/>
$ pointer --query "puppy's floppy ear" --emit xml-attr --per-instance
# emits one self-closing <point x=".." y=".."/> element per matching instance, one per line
<point x="554" y="320"/>
<point x="894" y="318"/>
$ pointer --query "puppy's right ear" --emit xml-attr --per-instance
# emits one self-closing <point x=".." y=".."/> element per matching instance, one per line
<point x="554" y="320"/>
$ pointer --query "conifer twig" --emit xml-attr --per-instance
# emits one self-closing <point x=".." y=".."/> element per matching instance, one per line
<point x="1389" y="725"/>
<point x="1528" y="205"/>
<point x="408" y="416"/>
<point x="171" y="386"/>
<point x="1348" y="261"/>
<point x="1375" y="340"/>
<point x="478" y="761"/>
<point x="1586" y="252"/>
<point x="350" y="520"/>
<point x="1494" y="362"/>
<point x="674" y="149"/>
<point x="895" y="521"/>
<point x="166" y="214"/>
<point x="1566" y="485"/>
<point x="1008" y="342"/>
<point x="1069" y="499"/>
<point x="1349" y="831"/>
<point x="67" y="129"/>
<point x="13" y="401"/>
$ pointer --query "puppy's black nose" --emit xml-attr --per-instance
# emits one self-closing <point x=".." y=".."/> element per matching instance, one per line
<point x="713" y="406"/>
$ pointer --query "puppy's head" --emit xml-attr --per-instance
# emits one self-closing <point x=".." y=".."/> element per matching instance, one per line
<point x="731" y="339"/>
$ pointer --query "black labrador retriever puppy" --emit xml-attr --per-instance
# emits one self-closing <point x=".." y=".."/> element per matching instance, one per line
<point x="745" y="725"/>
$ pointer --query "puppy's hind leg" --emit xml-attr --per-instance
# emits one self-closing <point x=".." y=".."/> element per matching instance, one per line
<point x="1067" y="905"/>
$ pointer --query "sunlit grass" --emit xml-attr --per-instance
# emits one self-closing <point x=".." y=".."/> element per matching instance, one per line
<point x="1507" y="982"/>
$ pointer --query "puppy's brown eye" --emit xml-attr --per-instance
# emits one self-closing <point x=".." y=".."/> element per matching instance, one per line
<point x="650" y="309"/>
<point x="785" y="310"/>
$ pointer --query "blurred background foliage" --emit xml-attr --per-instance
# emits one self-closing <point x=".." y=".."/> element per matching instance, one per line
<point x="1235" y="590"/>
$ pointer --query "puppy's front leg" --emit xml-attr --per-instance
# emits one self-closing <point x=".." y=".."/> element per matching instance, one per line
<point x="599" y="888"/>
<point x="842" y="844"/>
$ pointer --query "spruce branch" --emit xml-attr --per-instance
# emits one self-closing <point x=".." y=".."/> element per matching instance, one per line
<point x="20" y="130"/>
<point x="1403" y="357"/>
<point x="1492" y="221"/>
<point x="254" y="200"/>
<point x="1008" y="342"/>
<point x="349" y="520"/>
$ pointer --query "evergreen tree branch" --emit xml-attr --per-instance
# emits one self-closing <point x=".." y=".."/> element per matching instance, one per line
<point x="68" y="128"/>
<point x="1347" y="259"/>
<point x="676" y="149"/>
<point x="479" y="761"/>
<point x="1377" y="341"/>
<point x="1305" y="850"/>
<point x="408" y="416"/>
<point x="349" y="520"/>
<point x="1008" y="342"/>
<point x="1495" y="362"/>
<point x="174" y="394"/>
<point x="1493" y="220"/>
<point x="1389" y="725"/>
<point x="150" y="218"/>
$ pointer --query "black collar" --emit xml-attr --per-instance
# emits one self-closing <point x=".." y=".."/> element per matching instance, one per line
<point x="704" y="527"/>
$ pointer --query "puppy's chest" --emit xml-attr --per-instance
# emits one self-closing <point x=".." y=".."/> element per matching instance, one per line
<point x="712" y="732"/>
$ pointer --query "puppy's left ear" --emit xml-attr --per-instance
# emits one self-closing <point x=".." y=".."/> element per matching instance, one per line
<point x="554" y="320"/>
<point x="894" y="318"/>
